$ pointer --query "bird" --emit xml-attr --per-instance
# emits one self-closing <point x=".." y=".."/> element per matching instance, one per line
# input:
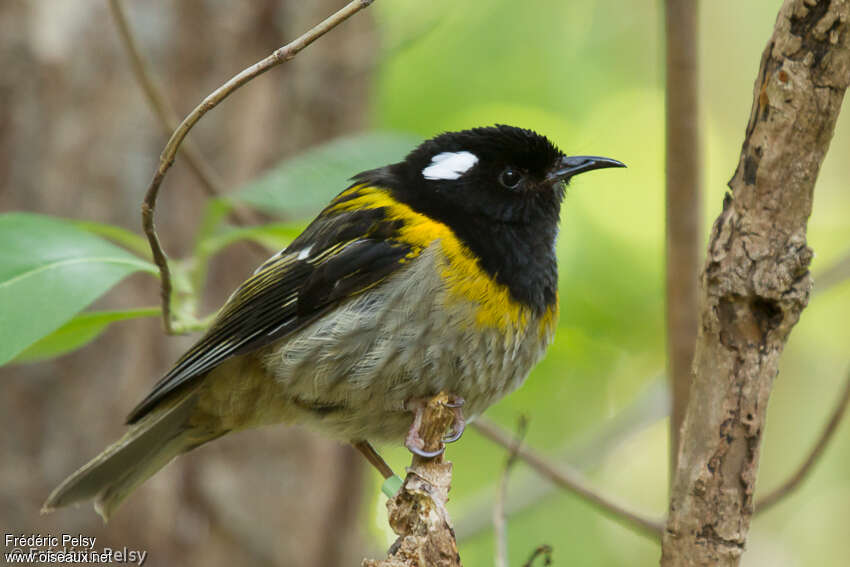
<point x="434" y="274"/>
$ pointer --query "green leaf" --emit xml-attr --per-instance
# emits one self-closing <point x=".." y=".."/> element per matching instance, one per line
<point x="78" y="332"/>
<point x="49" y="271"/>
<point x="215" y="212"/>
<point x="302" y="185"/>
<point x="275" y="236"/>
<point x="121" y="236"/>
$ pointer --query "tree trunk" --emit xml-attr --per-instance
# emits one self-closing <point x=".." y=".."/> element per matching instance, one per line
<point x="756" y="282"/>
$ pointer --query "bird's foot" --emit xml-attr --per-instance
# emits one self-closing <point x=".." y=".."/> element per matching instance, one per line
<point x="456" y="405"/>
<point x="414" y="442"/>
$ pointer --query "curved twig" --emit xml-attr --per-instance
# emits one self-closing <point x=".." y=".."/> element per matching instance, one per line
<point x="165" y="115"/>
<point x="573" y="481"/>
<point x="584" y="453"/>
<point x="166" y="159"/>
<point x="499" y="529"/>
<point x="210" y="180"/>
<point x="544" y="551"/>
<point x="794" y="481"/>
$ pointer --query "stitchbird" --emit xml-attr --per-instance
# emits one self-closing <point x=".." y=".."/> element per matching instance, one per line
<point x="434" y="274"/>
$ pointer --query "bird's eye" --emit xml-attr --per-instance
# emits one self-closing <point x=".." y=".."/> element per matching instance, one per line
<point x="510" y="178"/>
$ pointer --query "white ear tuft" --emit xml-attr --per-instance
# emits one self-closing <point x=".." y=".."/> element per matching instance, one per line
<point x="449" y="165"/>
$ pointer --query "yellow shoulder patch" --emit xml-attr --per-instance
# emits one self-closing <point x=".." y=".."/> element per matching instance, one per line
<point x="465" y="278"/>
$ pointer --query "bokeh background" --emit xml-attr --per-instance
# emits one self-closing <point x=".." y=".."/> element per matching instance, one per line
<point x="78" y="140"/>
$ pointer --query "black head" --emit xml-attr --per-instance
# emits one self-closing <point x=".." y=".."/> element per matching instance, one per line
<point x="503" y="173"/>
<point x="497" y="172"/>
<point x="500" y="190"/>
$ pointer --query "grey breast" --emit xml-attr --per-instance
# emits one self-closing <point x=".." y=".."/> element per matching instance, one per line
<point x="352" y="371"/>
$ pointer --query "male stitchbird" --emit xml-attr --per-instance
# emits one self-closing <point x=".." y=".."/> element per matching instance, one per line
<point x="437" y="273"/>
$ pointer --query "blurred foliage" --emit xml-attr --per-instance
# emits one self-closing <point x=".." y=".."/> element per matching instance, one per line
<point x="302" y="185"/>
<point x="56" y="268"/>
<point x="78" y="332"/>
<point x="590" y="76"/>
<point x="49" y="271"/>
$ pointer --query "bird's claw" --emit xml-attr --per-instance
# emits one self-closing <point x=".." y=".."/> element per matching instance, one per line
<point x="459" y="425"/>
<point x="456" y="434"/>
<point x="414" y="442"/>
<point x="455" y="403"/>
<point x="423" y="453"/>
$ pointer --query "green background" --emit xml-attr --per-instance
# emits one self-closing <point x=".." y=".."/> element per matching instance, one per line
<point x="590" y="76"/>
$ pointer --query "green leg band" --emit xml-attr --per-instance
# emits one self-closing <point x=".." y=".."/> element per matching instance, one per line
<point x="391" y="485"/>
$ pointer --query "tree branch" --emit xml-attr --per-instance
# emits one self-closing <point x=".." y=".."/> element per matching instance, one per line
<point x="683" y="204"/>
<point x="755" y="282"/>
<point x="796" y="479"/>
<point x="584" y="453"/>
<point x="417" y="513"/>
<point x="166" y="160"/>
<point x="200" y="167"/>
<point x="165" y="115"/>
<point x="544" y="551"/>
<point x="572" y="481"/>
<point x="499" y="529"/>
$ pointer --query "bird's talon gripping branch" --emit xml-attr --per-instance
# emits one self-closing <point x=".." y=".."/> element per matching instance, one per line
<point x="423" y="453"/>
<point x="457" y="432"/>
<point x="414" y="442"/>
<point x="455" y="402"/>
<point x="459" y="425"/>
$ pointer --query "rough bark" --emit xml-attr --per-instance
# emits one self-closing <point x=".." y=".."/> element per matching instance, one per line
<point x="756" y="281"/>
<point x="417" y="513"/>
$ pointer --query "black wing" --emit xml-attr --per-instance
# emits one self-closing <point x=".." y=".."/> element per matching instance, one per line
<point x="337" y="256"/>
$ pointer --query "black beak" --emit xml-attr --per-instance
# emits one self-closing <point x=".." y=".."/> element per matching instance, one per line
<point x="573" y="165"/>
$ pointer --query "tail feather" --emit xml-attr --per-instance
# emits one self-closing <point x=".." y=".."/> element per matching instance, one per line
<point x="148" y="446"/>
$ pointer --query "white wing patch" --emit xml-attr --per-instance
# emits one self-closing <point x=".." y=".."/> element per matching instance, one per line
<point x="449" y="165"/>
<point x="305" y="252"/>
<point x="302" y="254"/>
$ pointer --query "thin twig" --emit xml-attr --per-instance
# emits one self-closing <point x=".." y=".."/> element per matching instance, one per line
<point x="573" y="481"/>
<point x="794" y="481"/>
<point x="166" y="159"/>
<point x="545" y="551"/>
<point x="585" y="453"/>
<point x="499" y="529"/>
<point x="168" y="120"/>
<point x="684" y="210"/>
